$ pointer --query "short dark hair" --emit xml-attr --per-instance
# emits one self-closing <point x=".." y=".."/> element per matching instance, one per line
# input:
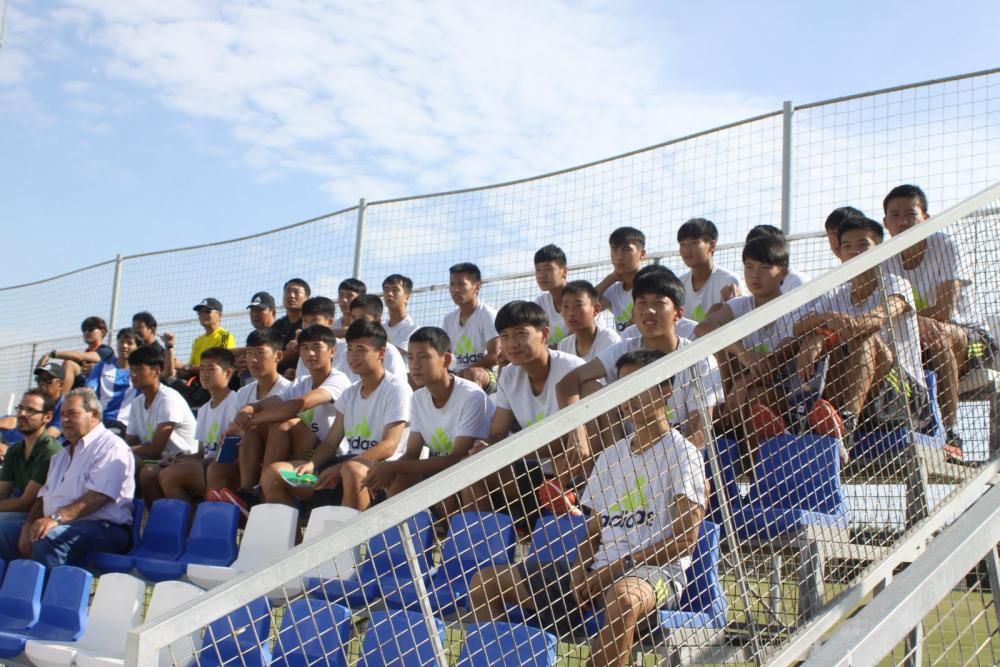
<point x="129" y="332"/>
<point x="698" y="229"/>
<point x="318" y="333"/>
<point x="145" y="356"/>
<point x="551" y="253"/>
<point x="300" y="282"/>
<point x="94" y="322"/>
<point x="436" y="337"/>
<point x="48" y="405"/>
<point x="625" y="235"/>
<point x="221" y="356"/>
<point x="906" y="192"/>
<point x="468" y="268"/>
<point x="650" y="269"/>
<point x="320" y="305"/>
<point x="266" y="337"/>
<point x="352" y="285"/>
<point x="518" y="313"/>
<point x="660" y="283"/>
<point x="863" y="223"/>
<point x="370" y="303"/>
<point x="367" y="329"/>
<point x="145" y="317"/>
<point x="581" y="287"/>
<point x="771" y="250"/>
<point x="838" y="215"/>
<point x="398" y="279"/>
<point x="638" y="358"/>
<point x="758" y="231"/>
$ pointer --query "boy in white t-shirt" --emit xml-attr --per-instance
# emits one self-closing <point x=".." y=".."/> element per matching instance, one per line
<point x="580" y="306"/>
<point x="447" y="414"/>
<point x="953" y="337"/>
<point x="160" y="426"/>
<point x="369" y="307"/>
<point x="706" y="285"/>
<point x="296" y="421"/>
<point x="792" y="277"/>
<point x="525" y="394"/>
<point x="550" y="274"/>
<point x="370" y="425"/>
<point x="263" y="351"/>
<point x="646" y="495"/>
<point x="832" y="226"/>
<point x="475" y="347"/>
<point x="348" y="290"/>
<point x="628" y="249"/>
<point x="186" y="477"/>
<point x="399" y="326"/>
<point x="315" y="310"/>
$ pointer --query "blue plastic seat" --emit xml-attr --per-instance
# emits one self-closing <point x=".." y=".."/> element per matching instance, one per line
<point x="557" y="537"/>
<point x="507" y="645"/>
<point x="239" y="638"/>
<point x="163" y="538"/>
<point x="475" y="540"/>
<point x="400" y="639"/>
<point x="212" y="541"/>
<point x="313" y="632"/>
<point x="386" y="567"/>
<point x="886" y="443"/>
<point x="62" y="616"/>
<point x="703" y="602"/>
<point x="21" y="595"/>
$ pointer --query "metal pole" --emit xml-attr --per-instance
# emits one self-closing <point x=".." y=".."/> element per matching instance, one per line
<point x="418" y="581"/>
<point x="31" y="364"/>
<point x="359" y="237"/>
<point x="787" y="110"/>
<point x="115" y="289"/>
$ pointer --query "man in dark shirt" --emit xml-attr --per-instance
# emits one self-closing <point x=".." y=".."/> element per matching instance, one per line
<point x="144" y="325"/>
<point x="77" y="365"/>
<point x="26" y="463"/>
<point x="296" y="291"/>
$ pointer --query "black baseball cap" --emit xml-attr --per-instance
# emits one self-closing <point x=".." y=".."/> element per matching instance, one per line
<point x="209" y="304"/>
<point x="52" y="368"/>
<point x="262" y="300"/>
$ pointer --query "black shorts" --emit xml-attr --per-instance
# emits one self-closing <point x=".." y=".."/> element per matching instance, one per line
<point x="524" y="509"/>
<point x="334" y="496"/>
<point x="891" y="404"/>
<point x="982" y="350"/>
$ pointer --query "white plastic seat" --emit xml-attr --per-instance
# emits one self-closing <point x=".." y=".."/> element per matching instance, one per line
<point x="116" y="609"/>
<point x="269" y="534"/>
<point x="323" y="520"/>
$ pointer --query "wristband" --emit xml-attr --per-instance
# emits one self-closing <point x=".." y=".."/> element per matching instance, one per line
<point x="830" y="338"/>
<point x="53" y="353"/>
<point x="628" y="562"/>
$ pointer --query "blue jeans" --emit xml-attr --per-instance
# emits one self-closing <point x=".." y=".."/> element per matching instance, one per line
<point x="16" y="517"/>
<point x="66" y="544"/>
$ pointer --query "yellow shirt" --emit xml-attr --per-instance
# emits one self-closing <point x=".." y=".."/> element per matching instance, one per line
<point x="218" y="338"/>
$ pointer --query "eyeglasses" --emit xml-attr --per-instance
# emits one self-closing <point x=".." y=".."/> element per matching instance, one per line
<point x="31" y="412"/>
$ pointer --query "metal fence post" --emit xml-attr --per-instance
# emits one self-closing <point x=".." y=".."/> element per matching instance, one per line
<point x="359" y="237"/>
<point x="31" y="364"/>
<point x="787" y="110"/>
<point x="115" y="289"/>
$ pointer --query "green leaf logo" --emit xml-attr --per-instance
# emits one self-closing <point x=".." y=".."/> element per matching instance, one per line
<point x="464" y="346"/>
<point x="626" y="315"/>
<point x="634" y="499"/>
<point x="213" y="432"/>
<point x="919" y="301"/>
<point x="440" y="443"/>
<point x="306" y="416"/>
<point x="698" y="314"/>
<point x="362" y="430"/>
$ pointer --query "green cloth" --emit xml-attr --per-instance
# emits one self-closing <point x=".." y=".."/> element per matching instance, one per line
<point x="15" y="469"/>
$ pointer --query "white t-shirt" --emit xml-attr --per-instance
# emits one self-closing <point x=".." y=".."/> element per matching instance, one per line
<point x="557" y="325"/>
<point x="392" y="362"/>
<point x="684" y="328"/>
<point x="621" y="305"/>
<point x="468" y="341"/>
<point x="604" y="338"/>
<point x="794" y="279"/>
<point x="697" y="302"/>
<point x="763" y="339"/>
<point x="399" y="334"/>
<point x="248" y="394"/>
<point x="684" y="397"/>
<point x="168" y="406"/>
<point x="514" y="391"/>
<point x="319" y="419"/>
<point x="634" y="496"/>
<point x="213" y="421"/>
<point x="942" y="262"/>
<point x="466" y="414"/>
<point x="366" y="418"/>
<point x="903" y="328"/>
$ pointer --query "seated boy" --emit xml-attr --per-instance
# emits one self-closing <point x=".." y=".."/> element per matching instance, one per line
<point x="580" y="307"/>
<point x="298" y="420"/>
<point x="471" y="329"/>
<point x="77" y="365"/>
<point x="112" y="382"/>
<point x="684" y="327"/>
<point x="628" y="249"/>
<point x="706" y="285"/>
<point x="370" y="426"/>
<point x="314" y="310"/>
<point x="210" y="318"/>
<point x="953" y="337"/>
<point x="526" y="393"/>
<point x="396" y="291"/>
<point x="832" y="226"/>
<point x="348" y="290"/>
<point x="550" y="274"/>
<point x="659" y="304"/>
<point x="646" y="495"/>
<point x="792" y="278"/>
<point x="161" y="426"/>
<point x="368" y="307"/>
<point x="186" y="477"/>
<point x="447" y="414"/>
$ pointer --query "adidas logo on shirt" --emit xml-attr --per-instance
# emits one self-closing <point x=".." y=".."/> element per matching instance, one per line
<point x="360" y="437"/>
<point x="630" y="510"/>
<point x="465" y="352"/>
<point x="440" y="444"/>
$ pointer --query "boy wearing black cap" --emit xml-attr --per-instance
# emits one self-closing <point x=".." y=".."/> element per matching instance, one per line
<point x="210" y="317"/>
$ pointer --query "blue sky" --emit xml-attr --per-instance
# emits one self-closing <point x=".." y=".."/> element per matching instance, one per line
<point x="134" y="126"/>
